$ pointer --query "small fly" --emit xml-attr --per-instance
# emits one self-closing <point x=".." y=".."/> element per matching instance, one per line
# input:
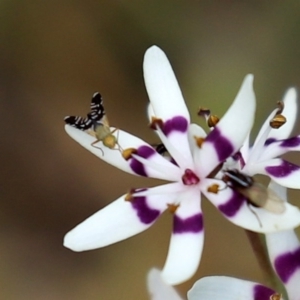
<point x="96" y="124"/>
<point x="257" y="194"/>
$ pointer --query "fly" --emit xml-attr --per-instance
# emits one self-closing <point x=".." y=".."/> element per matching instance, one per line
<point x="96" y="124"/>
<point x="257" y="194"/>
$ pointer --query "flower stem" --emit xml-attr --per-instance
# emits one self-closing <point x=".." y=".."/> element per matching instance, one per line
<point x="258" y="246"/>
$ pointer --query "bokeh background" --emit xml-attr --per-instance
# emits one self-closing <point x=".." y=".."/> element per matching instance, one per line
<point x="54" y="56"/>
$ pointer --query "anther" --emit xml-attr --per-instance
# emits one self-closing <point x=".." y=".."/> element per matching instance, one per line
<point x="212" y="121"/>
<point x="214" y="188"/>
<point x="190" y="178"/>
<point x="172" y="208"/>
<point x="127" y="153"/>
<point x="129" y="196"/>
<point x="203" y="112"/>
<point x="199" y="141"/>
<point x="156" y="122"/>
<point x="278" y="121"/>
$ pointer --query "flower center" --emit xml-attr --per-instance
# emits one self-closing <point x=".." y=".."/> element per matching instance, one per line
<point x="189" y="177"/>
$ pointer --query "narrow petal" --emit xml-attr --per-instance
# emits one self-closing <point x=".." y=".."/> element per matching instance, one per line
<point x="237" y="210"/>
<point x="231" y="131"/>
<point x="277" y="148"/>
<point x="167" y="102"/>
<point x="162" y="86"/>
<point x="118" y="221"/>
<point x="159" y="289"/>
<point x="186" y="241"/>
<point x="228" y="288"/>
<point x="166" y="170"/>
<point x="281" y="171"/>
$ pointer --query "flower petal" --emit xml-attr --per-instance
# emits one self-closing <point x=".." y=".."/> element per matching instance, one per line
<point x="186" y="241"/>
<point x="228" y="288"/>
<point x="165" y="170"/>
<point x="231" y="131"/>
<point x="281" y="171"/>
<point x="159" y="289"/>
<point x="162" y="86"/>
<point x="236" y="209"/>
<point x="167" y="102"/>
<point x="277" y="148"/>
<point x="118" y="221"/>
<point x="284" y="253"/>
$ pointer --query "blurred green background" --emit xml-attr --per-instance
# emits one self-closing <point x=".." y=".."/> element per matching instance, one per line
<point x="54" y="56"/>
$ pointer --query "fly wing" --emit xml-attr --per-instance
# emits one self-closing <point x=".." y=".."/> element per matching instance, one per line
<point x="97" y="109"/>
<point x="79" y="122"/>
<point x="274" y="204"/>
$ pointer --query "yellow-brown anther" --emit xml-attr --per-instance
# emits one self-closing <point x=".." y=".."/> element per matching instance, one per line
<point x="212" y="121"/>
<point x="199" y="140"/>
<point x="214" y="188"/>
<point x="203" y="112"/>
<point x="156" y="122"/>
<point x="127" y="153"/>
<point x="276" y="296"/>
<point x="129" y="195"/>
<point x="172" y="207"/>
<point x="277" y="121"/>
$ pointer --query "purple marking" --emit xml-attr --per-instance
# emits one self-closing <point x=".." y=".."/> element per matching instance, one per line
<point x="192" y="224"/>
<point x="178" y="123"/>
<point x="270" y="141"/>
<point x="233" y="205"/>
<point x="286" y="264"/>
<point x="146" y="214"/>
<point x="138" y="167"/>
<point x="291" y="142"/>
<point x="222" y="145"/>
<point x="261" y="292"/>
<point x="284" y="169"/>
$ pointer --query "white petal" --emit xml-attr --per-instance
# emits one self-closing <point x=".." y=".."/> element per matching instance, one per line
<point x="281" y="147"/>
<point x="228" y="288"/>
<point x="284" y="253"/>
<point x="159" y="289"/>
<point x="186" y="241"/>
<point x="118" y="221"/>
<point x="165" y="170"/>
<point x="231" y="131"/>
<point x="236" y="209"/>
<point x="279" y="170"/>
<point x="162" y="86"/>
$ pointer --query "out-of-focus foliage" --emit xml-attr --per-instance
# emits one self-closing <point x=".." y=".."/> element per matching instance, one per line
<point x="54" y="56"/>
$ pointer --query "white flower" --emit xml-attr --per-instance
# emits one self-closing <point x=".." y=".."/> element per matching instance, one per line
<point x="284" y="254"/>
<point x="196" y="156"/>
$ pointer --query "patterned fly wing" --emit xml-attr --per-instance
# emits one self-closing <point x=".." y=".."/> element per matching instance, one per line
<point x="93" y="118"/>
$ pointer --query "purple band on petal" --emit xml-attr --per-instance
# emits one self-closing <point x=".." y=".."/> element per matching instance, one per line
<point x="192" y="224"/>
<point x="284" y="169"/>
<point x="136" y="166"/>
<point x="233" y="205"/>
<point x="291" y="142"/>
<point x="261" y="292"/>
<point x="270" y="141"/>
<point x="287" y="264"/>
<point x="223" y="146"/>
<point x="178" y="123"/>
<point x="146" y="214"/>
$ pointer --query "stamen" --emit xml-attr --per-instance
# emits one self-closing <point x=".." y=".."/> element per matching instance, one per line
<point x="276" y="296"/>
<point x="203" y="112"/>
<point x="127" y="153"/>
<point x="190" y="178"/>
<point x="156" y="122"/>
<point x="278" y="121"/>
<point x="172" y="207"/>
<point x="214" y="188"/>
<point x="199" y="141"/>
<point x="212" y="121"/>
